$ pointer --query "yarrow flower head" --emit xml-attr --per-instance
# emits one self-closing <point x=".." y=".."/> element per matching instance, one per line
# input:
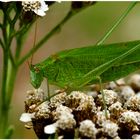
<point x="38" y="7"/>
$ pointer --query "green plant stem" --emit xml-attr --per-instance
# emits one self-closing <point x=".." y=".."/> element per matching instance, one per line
<point x="130" y="7"/>
<point x="6" y="31"/>
<point x="11" y="77"/>
<point x="11" y="83"/>
<point x="1" y="26"/>
<point x="1" y="43"/>
<point x="3" y="115"/>
<point x="5" y="65"/>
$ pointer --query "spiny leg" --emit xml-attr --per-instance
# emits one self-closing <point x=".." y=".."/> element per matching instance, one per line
<point x="48" y="89"/>
<point x="103" y="96"/>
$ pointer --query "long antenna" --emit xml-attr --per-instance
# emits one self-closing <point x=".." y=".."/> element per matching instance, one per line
<point x="35" y="36"/>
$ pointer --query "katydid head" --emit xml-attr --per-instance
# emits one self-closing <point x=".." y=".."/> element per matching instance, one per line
<point x="36" y="76"/>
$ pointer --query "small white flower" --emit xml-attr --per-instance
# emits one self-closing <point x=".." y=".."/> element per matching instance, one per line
<point x="87" y="129"/>
<point x="26" y="117"/>
<point x="42" y="9"/>
<point x="50" y="129"/>
<point x="39" y="7"/>
<point x="110" y="128"/>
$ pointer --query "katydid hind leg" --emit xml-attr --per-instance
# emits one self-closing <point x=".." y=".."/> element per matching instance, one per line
<point x="93" y="74"/>
<point x="48" y="89"/>
<point x="103" y="96"/>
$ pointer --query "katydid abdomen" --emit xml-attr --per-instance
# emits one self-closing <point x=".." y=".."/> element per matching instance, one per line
<point x="66" y="67"/>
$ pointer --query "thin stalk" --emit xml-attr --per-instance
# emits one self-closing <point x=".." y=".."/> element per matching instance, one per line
<point x="130" y="7"/>
<point x="48" y="89"/>
<point x="19" y="39"/>
<point x="35" y="37"/>
<point x="103" y="97"/>
<point x="46" y="38"/>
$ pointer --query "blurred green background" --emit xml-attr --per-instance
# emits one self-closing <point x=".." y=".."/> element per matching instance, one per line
<point x="86" y="28"/>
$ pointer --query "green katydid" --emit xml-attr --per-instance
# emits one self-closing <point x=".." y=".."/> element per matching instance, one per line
<point x="79" y="67"/>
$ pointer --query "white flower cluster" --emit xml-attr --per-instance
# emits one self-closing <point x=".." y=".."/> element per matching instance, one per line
<point x="111" y="85"/>
<point x="87" y="104"/>
<point x="74" y="98"/>
<point x="83" y="106"/>
<point x="131" y="119"/>
<point x="38" y="7"/>
<point x="65" y="120"/>
<point x="133" y="103"/>
<point x="66" y="115"/>
<point x="115" y="109"/>
<point x="58" y="99"/>
<point x="110" y="96"/>
<point x="60" y="111"/>
<point x="134" y="81"/>
<point x="26" y="117"/>
<point x="43" y="111"/>
<point x="135" y="136"/>
<point x="110" y="129"/>
<point x="101" y="117"/>
<point x="87" y="129"/>
<point x="125" y="93"/>
<point x="34" y="97"/>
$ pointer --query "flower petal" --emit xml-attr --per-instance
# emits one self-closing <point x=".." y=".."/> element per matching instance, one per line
<point x="26" y="117"/>
<point x="50" y="129"/>
<point x="40" y="12"/>
<point x="44" y="6"/>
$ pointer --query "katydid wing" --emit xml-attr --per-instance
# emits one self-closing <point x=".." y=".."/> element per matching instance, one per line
<point x="81" y="66"/>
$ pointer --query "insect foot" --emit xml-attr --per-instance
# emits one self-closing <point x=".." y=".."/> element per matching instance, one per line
<point x="80" y="115"/>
